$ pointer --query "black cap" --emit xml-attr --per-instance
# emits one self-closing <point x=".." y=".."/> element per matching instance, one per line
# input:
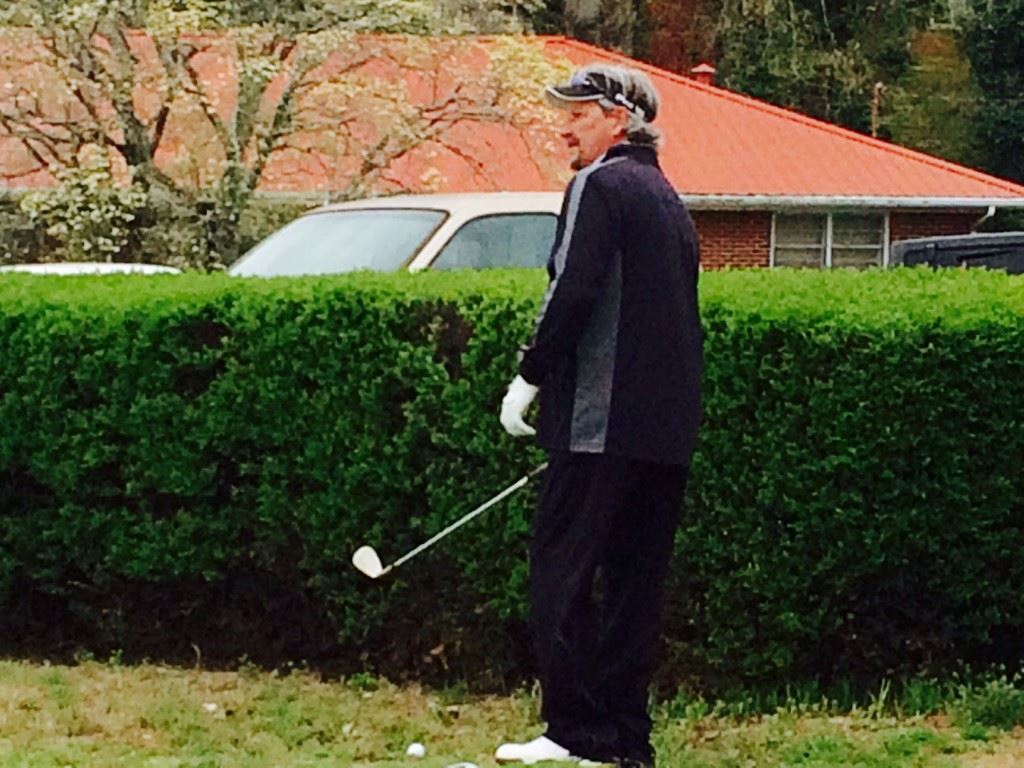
<point x="608" y="85"/>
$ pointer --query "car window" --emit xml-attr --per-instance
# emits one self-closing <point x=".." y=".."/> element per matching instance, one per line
<point x="507" y="240"/>
<point x="381" y="240"/>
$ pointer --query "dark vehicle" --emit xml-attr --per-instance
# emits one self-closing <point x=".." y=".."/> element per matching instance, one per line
<point x="995" y="250"/>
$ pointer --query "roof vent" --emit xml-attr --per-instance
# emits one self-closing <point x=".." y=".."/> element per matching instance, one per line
<point x="704" y="73"/>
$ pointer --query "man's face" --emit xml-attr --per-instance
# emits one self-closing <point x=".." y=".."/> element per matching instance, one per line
<point x="590" y="131"/>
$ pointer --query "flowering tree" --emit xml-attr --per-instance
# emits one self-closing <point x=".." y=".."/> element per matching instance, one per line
<point x="161" y="98"/>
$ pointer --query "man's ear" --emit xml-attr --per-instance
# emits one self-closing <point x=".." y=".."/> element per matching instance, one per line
<point x="623" y="121"/>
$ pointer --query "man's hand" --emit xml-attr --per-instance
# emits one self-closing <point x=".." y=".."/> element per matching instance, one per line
<point x="513" y="407"/>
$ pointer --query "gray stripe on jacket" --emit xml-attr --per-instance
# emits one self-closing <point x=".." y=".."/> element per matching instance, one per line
<point x="595" y="367"/>
<point x="572" y="211"/>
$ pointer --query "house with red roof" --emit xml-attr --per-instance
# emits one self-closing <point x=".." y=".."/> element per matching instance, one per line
<point x="769" y="186"/>
<point x="766" y="186"/>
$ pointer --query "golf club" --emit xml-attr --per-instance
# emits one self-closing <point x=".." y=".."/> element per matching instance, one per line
<point x="367" y="561"/>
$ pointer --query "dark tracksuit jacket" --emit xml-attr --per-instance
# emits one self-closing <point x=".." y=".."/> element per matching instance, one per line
<point x="617" y="345"/>
<point x="617" y="354"/>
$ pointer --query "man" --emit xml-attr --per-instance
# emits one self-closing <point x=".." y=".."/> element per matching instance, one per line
<point x="616" y="357"/>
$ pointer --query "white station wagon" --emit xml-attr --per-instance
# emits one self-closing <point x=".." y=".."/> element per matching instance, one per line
<point x="472" y="230"/>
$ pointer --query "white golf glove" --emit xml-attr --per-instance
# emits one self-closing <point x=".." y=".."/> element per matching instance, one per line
<point x="513" y="407"/>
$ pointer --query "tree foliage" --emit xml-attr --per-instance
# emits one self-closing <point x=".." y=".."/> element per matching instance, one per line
<point x="933" y="107"/>
<point x="682" y="33"/>
<point x="415" y="17"/>
<point x="93" y="216"/>
<point x="117" y="90"/>
<point x="994" y="40"/>
<point x="818" y="56"/>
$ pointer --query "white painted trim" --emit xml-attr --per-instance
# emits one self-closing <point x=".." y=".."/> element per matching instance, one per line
<point x="826" y="202"/>
<point x="828" y="240"/>
<point x="885" y="240"/>
<point x="988" y="215"/>
<point x="715" y="201"/>
<point x="771" y="243"/>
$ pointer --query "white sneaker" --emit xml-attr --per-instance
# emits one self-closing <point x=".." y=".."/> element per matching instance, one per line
<point x="540" y="749"/>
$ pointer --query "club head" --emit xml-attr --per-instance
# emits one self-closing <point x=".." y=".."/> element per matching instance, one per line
<point x="366" y="561"/>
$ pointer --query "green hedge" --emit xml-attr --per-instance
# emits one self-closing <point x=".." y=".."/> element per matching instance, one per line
<point x="187" y="463"/>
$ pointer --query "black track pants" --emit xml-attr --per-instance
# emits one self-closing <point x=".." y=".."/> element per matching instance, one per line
<point x="602" y="539"/>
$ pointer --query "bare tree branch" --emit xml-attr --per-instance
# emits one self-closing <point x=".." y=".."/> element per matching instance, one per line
<point x="193" y="86"/>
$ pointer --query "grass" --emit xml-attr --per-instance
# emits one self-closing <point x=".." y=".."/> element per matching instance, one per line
<point x="97" y="714"/>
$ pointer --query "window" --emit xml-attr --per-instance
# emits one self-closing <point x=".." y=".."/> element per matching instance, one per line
<point x="854" y="240"/>
<point x="799" y="240"/>
<point x="857" y="240"/>
<point x="507" y="240"/>
<point x="381" y="240"/>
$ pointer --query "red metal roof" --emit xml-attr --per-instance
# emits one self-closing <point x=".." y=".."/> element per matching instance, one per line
<point x="717" y="142"/>
<point x="721" y="142"/>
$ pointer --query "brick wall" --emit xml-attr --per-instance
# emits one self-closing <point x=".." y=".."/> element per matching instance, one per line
<point x="904" y="225"/>
<point x="733" y="238"/>
<point x="743" y="238"/>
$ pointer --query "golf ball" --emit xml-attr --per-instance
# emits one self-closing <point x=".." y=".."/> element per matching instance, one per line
<point x="416" y="750"/>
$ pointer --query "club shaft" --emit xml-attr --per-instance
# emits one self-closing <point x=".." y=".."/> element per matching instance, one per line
<point x="466" y="518"/>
